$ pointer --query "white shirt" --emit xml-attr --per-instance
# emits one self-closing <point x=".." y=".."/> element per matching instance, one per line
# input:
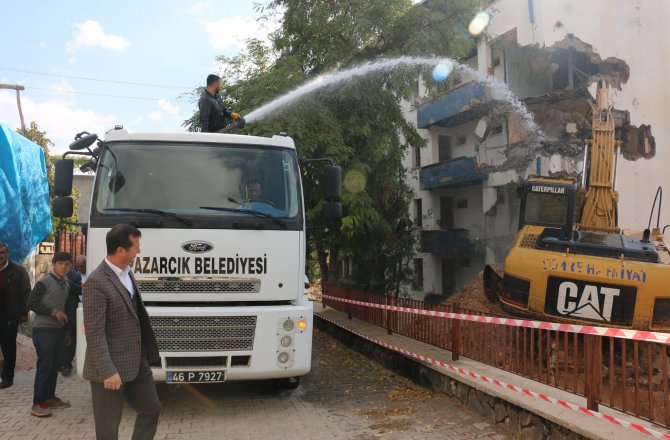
<point x="124" y="276"/>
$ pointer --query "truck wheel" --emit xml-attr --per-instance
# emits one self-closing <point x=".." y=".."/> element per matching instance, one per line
<point x="290" y="383"/>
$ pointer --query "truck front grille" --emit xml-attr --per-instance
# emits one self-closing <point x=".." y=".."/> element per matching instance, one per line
<point x="204" y="333"/>
<point x="194" y="286"/>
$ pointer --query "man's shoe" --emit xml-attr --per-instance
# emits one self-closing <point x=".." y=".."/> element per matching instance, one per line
<point x="40" y="410"/>
<point x="57" y="403"/>
<point x="66" y="371"/>
<point x="6" y="384"/>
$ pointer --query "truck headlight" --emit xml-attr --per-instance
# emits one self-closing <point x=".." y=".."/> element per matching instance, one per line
<point x="286" y="341"/>
<point x="283" y="357"/>
<point x="288" y="325"/>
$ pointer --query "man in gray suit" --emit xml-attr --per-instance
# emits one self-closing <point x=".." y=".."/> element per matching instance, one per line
<point x="120" y="342"/>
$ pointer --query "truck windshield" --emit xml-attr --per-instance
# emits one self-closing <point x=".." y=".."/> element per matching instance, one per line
<point x="144" y="179"/>
<point x="546" y="209"/>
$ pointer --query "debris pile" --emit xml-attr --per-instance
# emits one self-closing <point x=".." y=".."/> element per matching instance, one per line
<point x="471" y="297"/>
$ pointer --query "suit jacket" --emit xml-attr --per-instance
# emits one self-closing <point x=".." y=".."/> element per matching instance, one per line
<point x="114" y="330"/>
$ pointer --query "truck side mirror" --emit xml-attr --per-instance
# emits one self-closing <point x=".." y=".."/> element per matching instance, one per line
<point x="332" y="212"/>
<point x="63" y="177"/>
<point x="332" y="183"/>
<point x="62" y="207"/>
<point x="83" y="142"/>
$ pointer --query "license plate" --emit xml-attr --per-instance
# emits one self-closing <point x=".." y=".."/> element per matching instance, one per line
<point x="195" y="376"/>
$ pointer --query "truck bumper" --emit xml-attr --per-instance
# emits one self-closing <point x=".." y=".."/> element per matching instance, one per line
<point x="266" y="347"/>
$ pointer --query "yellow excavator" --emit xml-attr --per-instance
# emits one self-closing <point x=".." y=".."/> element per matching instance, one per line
<point x="570" y="261"/>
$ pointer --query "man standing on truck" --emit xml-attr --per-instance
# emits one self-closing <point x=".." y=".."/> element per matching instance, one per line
<point x="120" y="342"/>
<point x="213" y="113"/>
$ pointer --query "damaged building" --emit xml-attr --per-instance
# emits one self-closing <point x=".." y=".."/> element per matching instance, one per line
<point x="520" y="105"/>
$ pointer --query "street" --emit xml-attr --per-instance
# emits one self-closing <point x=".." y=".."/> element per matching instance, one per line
<point x="345" y="396"/>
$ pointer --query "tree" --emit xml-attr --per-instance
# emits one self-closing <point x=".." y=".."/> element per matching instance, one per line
<point x="358" y="123"/>
<point x="40" y="138"/>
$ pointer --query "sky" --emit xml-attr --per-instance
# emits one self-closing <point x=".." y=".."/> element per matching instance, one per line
<point x="168" y="46"/>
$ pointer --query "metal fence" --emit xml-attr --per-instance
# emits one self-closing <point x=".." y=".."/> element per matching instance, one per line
<point x="628" y="375"/>
<point x="72" y="242"/>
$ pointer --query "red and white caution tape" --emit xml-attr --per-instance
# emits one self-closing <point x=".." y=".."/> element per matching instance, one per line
<point x="514" y="388"/>
<point x="638" y="335"/>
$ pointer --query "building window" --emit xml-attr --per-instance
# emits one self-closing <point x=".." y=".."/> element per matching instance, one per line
<point x="444" y="148"/>
<point x="418" y="273"/>
<point x="461" y="140"/>
<point x="462" y="203"/>
<point x="455" y="79"/>
<point x="448" y="276"/>
<point x="496" y="128"/>
<point x="418" y="213"/>
<point x="416" y="163"/>
<point x="500" y="194"/>
<point x="446" y="213"/>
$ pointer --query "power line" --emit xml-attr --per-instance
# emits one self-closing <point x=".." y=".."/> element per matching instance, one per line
<point x="140" y="98"/>
<point x="32" y="72"/>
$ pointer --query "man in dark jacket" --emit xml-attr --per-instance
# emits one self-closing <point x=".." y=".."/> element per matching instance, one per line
<point x="213" y="113"/>
<point x="14" y="290"/>
<point x="75" y="280"/>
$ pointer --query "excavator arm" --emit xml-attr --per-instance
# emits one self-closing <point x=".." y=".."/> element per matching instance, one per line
<point x="598" y="197"/>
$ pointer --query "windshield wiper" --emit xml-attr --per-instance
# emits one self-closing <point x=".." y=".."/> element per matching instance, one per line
<point x="160" y="212"/>
<point x="247" y="211"/>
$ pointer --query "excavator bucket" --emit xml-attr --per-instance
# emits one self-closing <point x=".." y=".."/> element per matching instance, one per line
<point x="493" y="284"/>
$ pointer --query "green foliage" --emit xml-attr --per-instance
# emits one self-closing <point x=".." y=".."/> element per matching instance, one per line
<point x="358" y="123"/>
<point x="40" y="138"/>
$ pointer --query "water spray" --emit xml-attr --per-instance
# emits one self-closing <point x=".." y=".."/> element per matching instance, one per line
<point x="442" y="68"/>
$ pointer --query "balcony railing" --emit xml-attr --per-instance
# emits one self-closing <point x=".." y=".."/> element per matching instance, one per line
<point x="460" y="105"/>
<point x="450" y="243"/>
<point x="456" y="172"/>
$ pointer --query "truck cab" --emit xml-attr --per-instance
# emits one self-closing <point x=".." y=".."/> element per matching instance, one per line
<point x="222" y="258"/>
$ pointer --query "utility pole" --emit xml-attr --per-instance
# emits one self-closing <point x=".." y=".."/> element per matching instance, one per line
<point x="18" y="89"/>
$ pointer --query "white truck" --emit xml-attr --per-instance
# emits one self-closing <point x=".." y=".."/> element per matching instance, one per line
<point x="222" y="259"/>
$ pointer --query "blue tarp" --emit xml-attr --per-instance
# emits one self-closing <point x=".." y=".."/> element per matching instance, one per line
<point x="24" y="194"/>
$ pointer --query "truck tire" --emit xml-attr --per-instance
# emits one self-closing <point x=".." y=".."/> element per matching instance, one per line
<point x="290" y="383"/>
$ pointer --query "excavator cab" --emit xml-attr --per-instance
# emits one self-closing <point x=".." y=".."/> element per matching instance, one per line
<point x="546" y="202"/>
<point x="549" y="203"/>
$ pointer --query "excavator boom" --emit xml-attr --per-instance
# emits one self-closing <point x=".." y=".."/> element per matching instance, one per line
<point x="598" y="197"/>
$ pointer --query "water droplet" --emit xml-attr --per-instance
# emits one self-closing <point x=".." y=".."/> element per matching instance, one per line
<point x="479" y="23"/>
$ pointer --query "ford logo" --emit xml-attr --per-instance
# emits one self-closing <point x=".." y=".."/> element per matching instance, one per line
<point x="196" y="247"/>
